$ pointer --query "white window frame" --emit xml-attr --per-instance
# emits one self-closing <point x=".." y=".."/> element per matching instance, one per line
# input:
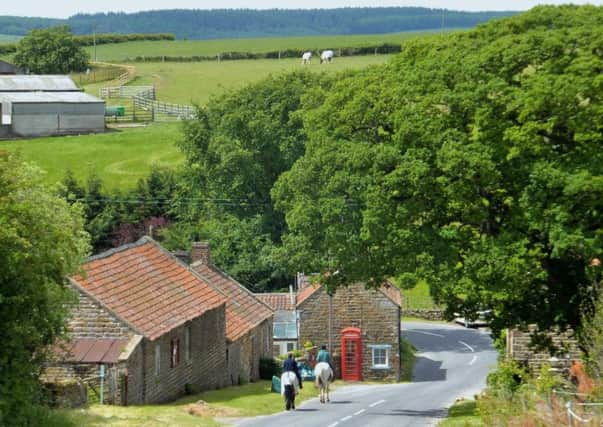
<point x="387" y="349"/>
<point x="157" y="358"/>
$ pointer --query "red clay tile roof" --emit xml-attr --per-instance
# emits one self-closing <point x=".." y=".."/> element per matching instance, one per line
<point x="243" y="310"/>
<point x="277" y="300"/>
<point x="90" y="350"/>
<point x="387" y="289"/>
<point x="147" y="287"/>
<point x="305" y="292"/>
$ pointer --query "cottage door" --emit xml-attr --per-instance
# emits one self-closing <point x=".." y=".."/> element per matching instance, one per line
<point x="351" y="354"/>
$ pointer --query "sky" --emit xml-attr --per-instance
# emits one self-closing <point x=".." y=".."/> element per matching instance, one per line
<point x="66" y="8"/>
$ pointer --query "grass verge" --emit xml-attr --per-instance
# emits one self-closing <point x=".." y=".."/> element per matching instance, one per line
<point x="248" y="400"/>
<point x="463" y="413"/>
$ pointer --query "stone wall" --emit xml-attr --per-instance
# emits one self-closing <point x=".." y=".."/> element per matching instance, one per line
<point x="424" y="313"/>
<point x="89" y="320"/>
<point x="373" y="313"/>
<point x="520" y="349"/>
<point x="206" y="368"/>
<point x="245" y="353"/>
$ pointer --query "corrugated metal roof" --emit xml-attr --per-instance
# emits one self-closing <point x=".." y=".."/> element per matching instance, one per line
<point x="89" y="350"/>
<point x="29" y="83"/>
<point x="49" y="97"/>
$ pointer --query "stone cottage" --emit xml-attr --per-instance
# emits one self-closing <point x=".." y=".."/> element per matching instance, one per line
<point x="155" y="325"/>
<point x="285" y="331"/>
<point x="360" y="326"/>
<point x="248" y="320"/>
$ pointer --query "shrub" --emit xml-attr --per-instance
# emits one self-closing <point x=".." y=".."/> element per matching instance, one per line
<point x="507" y="379"/>
<point x="268" y="368"/>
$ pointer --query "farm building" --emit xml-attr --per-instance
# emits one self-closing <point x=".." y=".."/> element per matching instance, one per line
<point x="7" y="68"/>
<point x="248" y="320"/>
<point x="33" y="105"/>
<point x="155" y="326"/>
<point x="285" y="331"/>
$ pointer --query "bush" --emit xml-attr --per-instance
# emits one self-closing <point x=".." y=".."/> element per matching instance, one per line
<point x="268" y="368"/>
<point x="507" y="379"/>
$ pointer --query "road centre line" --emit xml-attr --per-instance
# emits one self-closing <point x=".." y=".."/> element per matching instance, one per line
<point x="468" y="346"/>
<point x="334" y="424"/>
<point x="379" y="402"/>
<point x="425" y="333"/>
<point x="359" y="412"/>
<point x="473" y="360"/>
<point x="344" y="419"/>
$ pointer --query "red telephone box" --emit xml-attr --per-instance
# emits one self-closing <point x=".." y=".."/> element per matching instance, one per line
<point x="351" y="354"/>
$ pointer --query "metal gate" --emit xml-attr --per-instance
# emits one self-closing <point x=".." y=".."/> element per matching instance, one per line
<point x="351" y="354"/>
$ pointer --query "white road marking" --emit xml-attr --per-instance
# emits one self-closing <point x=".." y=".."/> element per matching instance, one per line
<point x="379" y="402"/>
<point x="473" y="360"/>
<point x="334" y="424"/>
<point x="468" y="346"/>
<point x="359" y="412"/>
<point x="425" y="333"/>
<point x="344" y="419"/>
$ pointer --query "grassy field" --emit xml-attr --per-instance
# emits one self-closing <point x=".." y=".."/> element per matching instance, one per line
<point x="121" y="51"/>
<point x="8" y="38"/>
<point x="418" y="297"/>
<point x="119" y="157"/>
<point x="196" y="82"/>
<point x="244" y="401"/>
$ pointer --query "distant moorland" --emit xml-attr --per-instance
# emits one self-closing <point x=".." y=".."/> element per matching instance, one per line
<point x="246" y="23"/>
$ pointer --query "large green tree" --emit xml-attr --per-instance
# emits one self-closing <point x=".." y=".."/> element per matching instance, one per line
<point x="50" y="51"/>
<point x="473" y="161"/>
<point x="42" y="241"/>
<point x="235" y="150"/>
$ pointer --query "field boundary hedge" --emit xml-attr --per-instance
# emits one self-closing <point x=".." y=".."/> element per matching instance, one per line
<point x="109" y="38"/>
<point x="384" y="48"/>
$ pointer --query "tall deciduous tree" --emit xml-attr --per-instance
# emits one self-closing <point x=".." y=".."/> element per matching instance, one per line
<point x="42" y="241"/>
<point x="473" y="161"/>
<point x="50" y="51"/>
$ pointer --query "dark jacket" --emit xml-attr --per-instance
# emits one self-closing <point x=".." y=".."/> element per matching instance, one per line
<point x="291" y="365"/>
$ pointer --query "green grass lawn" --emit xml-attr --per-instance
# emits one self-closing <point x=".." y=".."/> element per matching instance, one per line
<point x="196" y="82"/>
<point x="121" y="51"/>
<point x="463" y="413"/>
<point x="417" y="297"/>
<point x="120" y="158"/>
<point x="243" y="401"/>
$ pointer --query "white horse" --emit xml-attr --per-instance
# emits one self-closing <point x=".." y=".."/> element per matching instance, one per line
<point x="289" y="379"/>
<point x="324" y="375"/>
<point x="326" y="56"/>
<point x="306" y="57"/>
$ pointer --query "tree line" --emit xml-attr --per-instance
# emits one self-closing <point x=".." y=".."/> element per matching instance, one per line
<point x="241" y="23"/>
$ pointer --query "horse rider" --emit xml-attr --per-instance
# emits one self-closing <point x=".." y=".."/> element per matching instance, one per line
<point x="324" y="356"/>
<point x="291" y="365"/>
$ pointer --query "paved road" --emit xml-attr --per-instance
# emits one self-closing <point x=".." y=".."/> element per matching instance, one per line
<point x="451" y="362"/>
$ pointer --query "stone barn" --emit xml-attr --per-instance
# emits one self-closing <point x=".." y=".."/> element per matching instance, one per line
<point x="360" y="326"/>
<point x="47" y="105"/>
<point x="155" y="325"/>
<point x="248" y="320"/>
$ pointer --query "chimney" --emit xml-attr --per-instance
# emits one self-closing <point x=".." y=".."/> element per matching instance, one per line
<point x="292" y="295"/>
<point x="200" y="252"/>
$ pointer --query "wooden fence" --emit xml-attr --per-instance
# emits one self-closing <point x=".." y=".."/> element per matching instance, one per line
<point x="127" y="92"/>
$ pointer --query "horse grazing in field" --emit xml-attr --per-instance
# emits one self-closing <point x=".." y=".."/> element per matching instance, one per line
<point x="324" y="375"/>
<point x="326" y="56"/>
<point x="306" y="57"/>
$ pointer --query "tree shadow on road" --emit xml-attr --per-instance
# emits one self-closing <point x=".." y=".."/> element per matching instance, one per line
<point x="428" y="370"/>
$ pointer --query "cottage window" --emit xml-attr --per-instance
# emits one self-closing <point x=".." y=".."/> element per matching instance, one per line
<point x="174" y="352"/>
<point x="290" y="346"/>
<point x="157" y="358"/>
<point x="187" y="343"/>
<point x="380" y="356"/>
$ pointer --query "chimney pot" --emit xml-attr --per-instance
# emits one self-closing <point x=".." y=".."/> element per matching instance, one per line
<point x="200" y="252"/>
